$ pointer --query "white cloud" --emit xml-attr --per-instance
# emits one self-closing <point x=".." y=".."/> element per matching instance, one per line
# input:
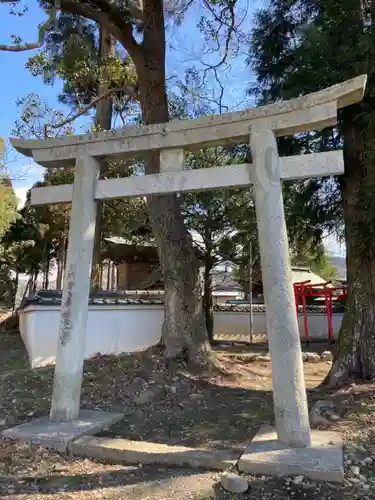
<point x="21" y="194"/>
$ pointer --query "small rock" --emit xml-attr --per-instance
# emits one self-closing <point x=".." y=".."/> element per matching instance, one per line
<point x="334" y="417"/>
<point x="313" y="357"/>
<point x="233" y="483"/>
<point x="355" y="470"/>
<point x="265" y="359"/>
<point x="149" y="395"/>
<point x="316" y="417"/>
<point x="361" y="448"/>
<point x="136" y="384"/>
<point x="324" y="403"/>
<point x="354" y="480"/>
<point x="365" y="488"/>
<point x="368" y="460"/>
<point x="309" y="486"/>
<point x="298" y="480"/>
<point x="196" y="395"/>
<point x="363" y="479"/>
<point x="182" y="386"/>
<point x="326" y="356"/>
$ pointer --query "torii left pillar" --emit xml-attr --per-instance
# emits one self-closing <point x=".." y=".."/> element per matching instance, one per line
<point x="74" y="306"/>
<point x="67" y="421"/>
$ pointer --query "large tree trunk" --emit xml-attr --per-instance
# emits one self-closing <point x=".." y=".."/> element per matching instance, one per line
<point x="103" y="121"/>
<point x="355" y="356"/>
<point x="46" y="274"/>
<point x="207" y="299"/>
<point x="16" y="285"/>
<point x="184" y="333"/>
<point x="59" y="274"/>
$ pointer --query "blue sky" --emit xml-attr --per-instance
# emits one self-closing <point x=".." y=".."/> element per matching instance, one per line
<point x="16" y="82"/>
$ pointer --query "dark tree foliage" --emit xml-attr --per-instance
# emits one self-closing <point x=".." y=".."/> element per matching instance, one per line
<point x="300" y="47"/>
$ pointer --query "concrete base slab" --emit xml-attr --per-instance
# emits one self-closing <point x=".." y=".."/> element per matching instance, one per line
<point x="323" y="460"/>
<point x="134" y="452"/>
<point x="57" y="436"/>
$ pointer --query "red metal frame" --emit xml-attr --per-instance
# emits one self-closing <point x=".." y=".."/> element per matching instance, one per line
<point x="305" y="289"/>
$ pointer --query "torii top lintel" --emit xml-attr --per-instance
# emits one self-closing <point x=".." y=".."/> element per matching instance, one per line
<point x="316" y="110"/>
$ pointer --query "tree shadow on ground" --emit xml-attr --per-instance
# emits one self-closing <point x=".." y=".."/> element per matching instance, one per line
<point x="176" y="409"/>
<point x="128" y="478"/>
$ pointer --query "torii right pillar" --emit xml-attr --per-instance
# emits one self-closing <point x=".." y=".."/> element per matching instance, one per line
<point x="292" y="448"/>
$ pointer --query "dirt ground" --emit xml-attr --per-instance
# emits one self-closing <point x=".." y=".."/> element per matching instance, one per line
<point x="222" y="411"/>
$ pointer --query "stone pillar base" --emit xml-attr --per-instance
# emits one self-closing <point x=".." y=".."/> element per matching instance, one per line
<point x="322" y="461"/>
<point x="58" y="436"/>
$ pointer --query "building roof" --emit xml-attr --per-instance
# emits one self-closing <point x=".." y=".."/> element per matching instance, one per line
<point x="223" y="281"/>
<point x="300" y="274"/>
<point x="122" y="249"/>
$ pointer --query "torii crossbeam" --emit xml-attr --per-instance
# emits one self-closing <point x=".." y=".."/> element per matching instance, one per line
<point x="258" y="126"/>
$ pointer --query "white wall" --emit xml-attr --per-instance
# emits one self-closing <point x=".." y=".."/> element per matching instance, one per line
<point x="239" y="323"/>
<point x="128" y="328"/>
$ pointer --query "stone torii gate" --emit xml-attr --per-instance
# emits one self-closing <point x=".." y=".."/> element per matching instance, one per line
<point x="260" y="126"/>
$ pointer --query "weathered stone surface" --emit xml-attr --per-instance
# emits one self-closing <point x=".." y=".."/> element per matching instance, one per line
<point x="134" y="452"/>
<point x="323" y="460"/>
<point x="265" y="359"/>
<point x="298" y="479"/>
<point x="355" y="470"/>
<point x="66" y="394"/>
<point x="326" y="356"/>
<point x="57" y="436"/>
<point x="315" y="110"/>
<point x="316" y="164"/>
<point x="290" y="402"/>
<point x="233" y="483"/>
<point x="333" y="417"/>
<point x="312" y="357"/>
<point x="323" y="413"/>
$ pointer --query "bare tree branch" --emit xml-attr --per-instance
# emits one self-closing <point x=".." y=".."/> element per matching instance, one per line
<point x="21" y="48"/>
<point x="110" y="16"/>
<point x="131" y="89"/>
<point x="105" y="13"/>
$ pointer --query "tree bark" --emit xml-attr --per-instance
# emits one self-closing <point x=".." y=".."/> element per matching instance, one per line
<point x="184" y="334"/>
<point x="46" y="274"/>
<point x="355" y="356"/>
<point x="103" y="121"/>
<point x="59" y="274"/>
<point x="184" y="331"/>
<point x="16" y="285"/>
<point x="207" y="300"/>
<point x="34" y="282"/>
